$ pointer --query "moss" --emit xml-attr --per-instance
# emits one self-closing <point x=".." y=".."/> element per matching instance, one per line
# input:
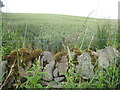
<point x="118" y="48"/>
<point x="25" y="53"/>
<point x="88" y="51"/>
<point x="13" y="53"/>
<point x="73" y="49"/>
<point x="76" y="51"/>
<point x="36" y="53"/>
<point x="20" y="56"/>
<point x="58" y="56"/>
<point x="10" y="60"/>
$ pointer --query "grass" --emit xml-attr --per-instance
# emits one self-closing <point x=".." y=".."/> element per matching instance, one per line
<point x="53" y="32"/>
<point x="49" y="31"/>
<point x="0" y="36"/>
<point x="105" y="36"/>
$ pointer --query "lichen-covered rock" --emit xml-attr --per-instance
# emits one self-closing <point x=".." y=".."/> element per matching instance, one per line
<point x="2" y="70"/>
<point x="52" y="84"/>
<point x="55" y="72"/>
<point x="103" y="59"/>
<point x="59" y="79"/>
<point x="92" y="55"/>
<point x="62" y="66"/>
<point x="44" y="83"/>
<point x="47" y="57"/>
<point x="85" y="67"/>
<point x="112" y="52"/>
<point x="106" y="56"/>
<point x="49" y="70"/>
<point x="55" y="85"/>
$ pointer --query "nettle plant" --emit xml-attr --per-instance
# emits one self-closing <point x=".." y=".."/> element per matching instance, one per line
<point x="33" y="81"/>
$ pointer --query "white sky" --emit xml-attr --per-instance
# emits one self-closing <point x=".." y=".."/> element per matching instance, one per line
<point x="101" y="8"/>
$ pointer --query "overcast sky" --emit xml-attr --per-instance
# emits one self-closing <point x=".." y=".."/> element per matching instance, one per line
<point x="101" y="8"/>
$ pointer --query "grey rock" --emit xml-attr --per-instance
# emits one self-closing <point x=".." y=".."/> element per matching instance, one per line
<point x="51" y="84"/>
<point x="85" y="67"/>
<point x="47" y="58"/>
<point x="59" y="79"/>
<point x="112" y="52"/>
<point x="106" y="56"/>
<point x="62" y="66"/>
<point x="103" y="59"/>
<point x="55" y="72"/>
<point x="2" y="70"/>
<point x="55" y="85"/>
<point x="49" y="70"/>
<point x="44" y="83"/>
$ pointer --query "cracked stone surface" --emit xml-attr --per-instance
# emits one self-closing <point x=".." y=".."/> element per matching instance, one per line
<point x="107" y="56"/>
<point x="85" y="67"/>
<point x="55" y="72"/>
<point x="62" y="65"/>
<point x="47" y="58"/>
<point x="2" y="70"/>
<point x="59" y="79"/>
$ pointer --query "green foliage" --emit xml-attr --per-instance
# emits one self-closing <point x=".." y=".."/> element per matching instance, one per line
<point x="73" y="79"/>
<point x="105" y="36"/>
<point x="33" y="81"/>
<point x="49" y="31"/>
<point x="106" y="78"/>
<point x="11" y="41"/>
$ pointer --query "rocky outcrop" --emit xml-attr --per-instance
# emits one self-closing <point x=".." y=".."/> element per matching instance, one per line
<point x="107" y="56"/>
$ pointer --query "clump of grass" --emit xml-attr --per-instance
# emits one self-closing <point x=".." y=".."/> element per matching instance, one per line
<point x="10" y="41"/>
<point x="107" y="78"/>
<point x="105" y="36"/>
<point x="102" y="36"/>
